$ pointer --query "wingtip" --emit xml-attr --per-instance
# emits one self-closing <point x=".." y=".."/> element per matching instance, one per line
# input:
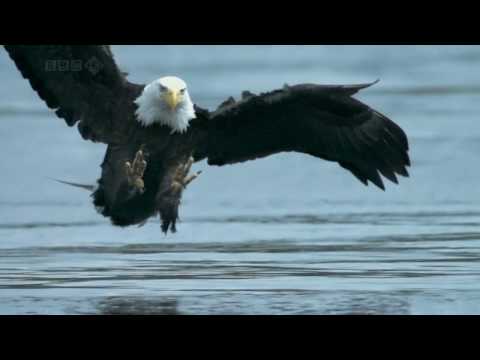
<point x="359" y="87"/>
<point x="380" y="186"/>
<point x="367" y="85"/>
<point x="87" y="187"/>
<point x="379" y="183"/>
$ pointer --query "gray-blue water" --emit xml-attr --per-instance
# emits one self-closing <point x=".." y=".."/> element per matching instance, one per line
<point x="290" y="234"/>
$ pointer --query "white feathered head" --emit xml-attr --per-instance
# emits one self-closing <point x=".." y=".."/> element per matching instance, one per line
<point x="166" y="101"/>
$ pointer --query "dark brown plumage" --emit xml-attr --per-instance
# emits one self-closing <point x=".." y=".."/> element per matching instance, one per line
<point x="322" y="121"/>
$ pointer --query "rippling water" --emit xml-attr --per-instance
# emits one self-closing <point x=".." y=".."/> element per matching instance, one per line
<point x="285" y="235"/>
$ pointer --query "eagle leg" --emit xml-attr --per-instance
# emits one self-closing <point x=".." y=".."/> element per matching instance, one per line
<point x="170" y="199"/>
<point x="135" y="171"/>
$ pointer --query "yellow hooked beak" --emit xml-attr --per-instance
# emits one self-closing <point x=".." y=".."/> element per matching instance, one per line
<point x="172" y="98"/>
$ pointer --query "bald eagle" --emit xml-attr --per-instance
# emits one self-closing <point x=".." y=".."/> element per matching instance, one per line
<point x="155" y="132"/>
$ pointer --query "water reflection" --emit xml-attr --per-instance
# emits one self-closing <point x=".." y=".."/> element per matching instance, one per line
<point x="137" y="306"/>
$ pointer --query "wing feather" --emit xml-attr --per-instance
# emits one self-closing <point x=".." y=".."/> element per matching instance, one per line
<point x="81" y="83"/>
<point x="321" y="120"/>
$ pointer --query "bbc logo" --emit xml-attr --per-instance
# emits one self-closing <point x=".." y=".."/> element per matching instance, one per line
<point x="93" y="65"/>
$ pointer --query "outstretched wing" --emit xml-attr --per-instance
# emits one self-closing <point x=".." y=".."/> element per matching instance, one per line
<point x="81" y="83"/>
<point x="323" y="121"/>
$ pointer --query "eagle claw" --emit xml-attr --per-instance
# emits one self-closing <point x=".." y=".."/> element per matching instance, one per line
<point x="135" y="171"/>
<point x="181" y="178"/>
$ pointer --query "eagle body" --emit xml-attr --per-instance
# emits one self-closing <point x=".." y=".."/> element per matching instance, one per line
<point x="154" y="132"/>
<point x="114" y="198"/>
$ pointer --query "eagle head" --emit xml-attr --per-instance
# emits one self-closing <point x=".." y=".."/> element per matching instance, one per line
<point x="166" y="101"/>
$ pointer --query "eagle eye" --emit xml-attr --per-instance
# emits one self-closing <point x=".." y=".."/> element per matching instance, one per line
<point x="183" y="91"/>
<point x="162" y="88"/>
